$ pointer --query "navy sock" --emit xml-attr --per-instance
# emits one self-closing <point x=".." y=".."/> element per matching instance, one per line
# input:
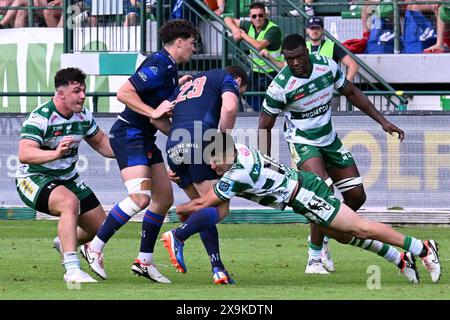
<point x="210" y="239"/>
<point x="115" y="220"/>
<point x="151" y="224"/>
<point x="198" y="221"/>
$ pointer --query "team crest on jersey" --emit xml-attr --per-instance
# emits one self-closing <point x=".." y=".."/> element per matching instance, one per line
<point x="224" y="186"/>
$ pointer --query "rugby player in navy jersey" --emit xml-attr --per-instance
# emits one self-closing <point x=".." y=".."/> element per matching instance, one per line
<point x="140" y="161"/>
<point x="208" y="102"/>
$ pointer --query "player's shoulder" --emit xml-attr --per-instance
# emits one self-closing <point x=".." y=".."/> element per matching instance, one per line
<point x="322" y="61"/>
<point x="282" y="78"/>
<point x="215" y="74"/>
<point x="156" y="63"/>
<point x="86" y="114"/>
<point x="42" y="112"/>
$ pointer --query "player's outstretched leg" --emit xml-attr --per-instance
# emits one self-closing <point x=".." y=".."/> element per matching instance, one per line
<point x="349" y="222"/>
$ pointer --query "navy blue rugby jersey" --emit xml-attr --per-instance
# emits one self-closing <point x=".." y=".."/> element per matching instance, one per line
<point x="155" y="81"/>
<point x="201" y="99"/>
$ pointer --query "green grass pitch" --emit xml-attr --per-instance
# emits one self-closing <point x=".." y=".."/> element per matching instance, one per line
<point x="267" y="262"/>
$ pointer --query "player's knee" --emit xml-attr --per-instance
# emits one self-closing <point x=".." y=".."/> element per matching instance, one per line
<point x="356" y="201"/>
<point x="363" y="231"/>
<point x="141" y="200"/>
<point x="139" y="191"/>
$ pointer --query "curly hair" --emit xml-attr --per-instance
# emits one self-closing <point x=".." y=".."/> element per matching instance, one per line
<point x="65" y="77"/>
<point x="177" y="28"/>
<point x="293" y="41"/>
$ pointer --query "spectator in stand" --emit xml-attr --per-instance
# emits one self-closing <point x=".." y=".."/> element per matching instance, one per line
<point x="15" y="18"/>
<point x="309" y="10"/>
<point x="327" y="48"/>
<point x="4" y="3"/>
<point x="420" y="34"/>
<point x="53" y="17"/>
<point x="261" y="33"/>
<point x="417" y="10"/>
<point x="19" y="18"/>
<point x="133" y="9"/>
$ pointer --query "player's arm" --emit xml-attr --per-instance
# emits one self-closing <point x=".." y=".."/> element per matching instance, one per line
<point x="30" y="151"/>
<point x="128" y="95"/>
<point x="358" y="99"/>
<point x="229" y="110"/>
<point x="208" y="200"/>
<point x="100" y="143"/>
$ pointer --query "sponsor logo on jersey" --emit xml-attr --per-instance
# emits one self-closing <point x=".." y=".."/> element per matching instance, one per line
<point x="299" y="96"/>
<point x="320" y="69"/>
<point x="312" y="88"/>
<point x="224" y="186"/>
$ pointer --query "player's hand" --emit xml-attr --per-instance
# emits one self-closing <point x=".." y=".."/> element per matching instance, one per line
<point x="184" y="79"/>
<point x="173" y="176"/>
<point x="64" y="146"/>
<point x="164" y="109"/>
<point x="391" y="128"/>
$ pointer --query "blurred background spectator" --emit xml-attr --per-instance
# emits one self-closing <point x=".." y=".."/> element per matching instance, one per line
<point x="309" y="10"/>
<point x="261" y="33"/>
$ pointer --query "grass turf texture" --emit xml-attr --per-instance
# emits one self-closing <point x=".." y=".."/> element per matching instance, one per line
<point x="267" y="262"/>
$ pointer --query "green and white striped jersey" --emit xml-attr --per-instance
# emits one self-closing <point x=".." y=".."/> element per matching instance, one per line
<point x="306" y="102"/>
<point x="258" y="178"/>
<point x="47" y="126"/>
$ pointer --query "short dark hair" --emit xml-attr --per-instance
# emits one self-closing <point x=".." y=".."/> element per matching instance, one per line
<point x="222" y="144"/>
<point x="238" y="72"/>
<point x="65" y="77"/>
<point x="293" y="41"/>
<point x="177" y="28"/>
<point x="257" y="5"/>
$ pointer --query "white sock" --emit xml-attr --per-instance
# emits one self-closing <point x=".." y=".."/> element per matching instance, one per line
<point x="393" y="255"/>
<point x="71" y="261"/>
<point x="97" y="244"/>
<point x="146" y="257"/>
<point x="415" y="247"/>
<point x="314" y="252"/>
